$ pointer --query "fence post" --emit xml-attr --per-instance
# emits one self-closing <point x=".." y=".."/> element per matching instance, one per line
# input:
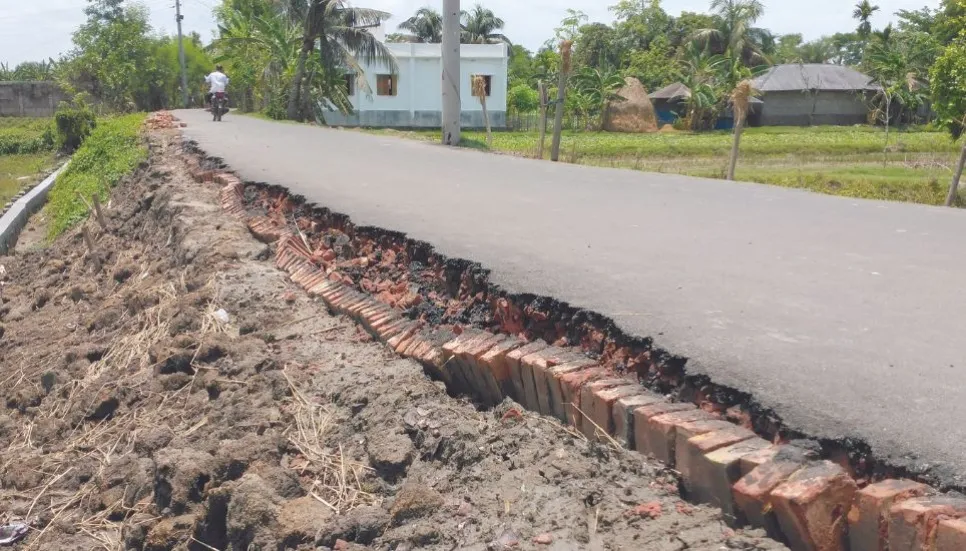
<point x="565" y="50"/>
<point x="544" y="104"/>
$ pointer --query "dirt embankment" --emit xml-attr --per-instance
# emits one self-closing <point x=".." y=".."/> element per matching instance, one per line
<point x="171" y="391"/>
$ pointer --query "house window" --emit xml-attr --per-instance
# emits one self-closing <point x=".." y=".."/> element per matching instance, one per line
<point x="350" y="84"/>
<point x="487" y="84"/>
<point x="386" y="85"/>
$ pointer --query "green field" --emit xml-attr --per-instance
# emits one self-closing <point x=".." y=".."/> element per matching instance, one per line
<point x="26" y="151"/>
<point x="915" y="166"/>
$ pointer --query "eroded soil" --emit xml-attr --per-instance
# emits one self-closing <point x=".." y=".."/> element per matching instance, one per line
<point x="171" y="391"/>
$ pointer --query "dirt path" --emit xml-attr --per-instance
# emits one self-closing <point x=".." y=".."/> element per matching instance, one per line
<point x="174" y="392"/>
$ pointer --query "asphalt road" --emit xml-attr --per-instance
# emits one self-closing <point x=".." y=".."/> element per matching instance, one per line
<point x="842" y="315"/>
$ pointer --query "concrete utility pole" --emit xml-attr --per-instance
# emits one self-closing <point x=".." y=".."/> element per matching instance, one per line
<point x="184" y="67"/>
<point x="451" y="72"/>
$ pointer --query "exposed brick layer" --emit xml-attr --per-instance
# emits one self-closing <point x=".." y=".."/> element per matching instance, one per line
<point x="810" y="505"/>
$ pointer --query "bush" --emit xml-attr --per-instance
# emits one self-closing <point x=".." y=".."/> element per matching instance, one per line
<point x="74" y="122"/>
<point x="523" y="99"/>
<point x="22" y="136"/>
<point x="112" y="151"/>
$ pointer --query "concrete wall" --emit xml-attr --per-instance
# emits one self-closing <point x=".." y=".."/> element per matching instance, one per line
<point x="821" y="108"/>
<point x="29" y="99"/>
<point x="418" y="100"/>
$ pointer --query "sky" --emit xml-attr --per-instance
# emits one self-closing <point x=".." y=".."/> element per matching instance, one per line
<point x="36" y="30"/>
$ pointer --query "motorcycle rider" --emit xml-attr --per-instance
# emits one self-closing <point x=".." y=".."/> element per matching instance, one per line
<point x="217" y="82"/>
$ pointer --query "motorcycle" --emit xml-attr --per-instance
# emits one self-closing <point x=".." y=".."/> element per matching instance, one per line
<point x="219" y="105"/>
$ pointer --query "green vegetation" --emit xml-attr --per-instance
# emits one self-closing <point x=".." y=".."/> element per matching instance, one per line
<point x="20" y="136"/>
<point x="849" y="161"/>
<point x="15" y="167"/>
<point x="112" y="151"/>
<point x="73" y="122"/>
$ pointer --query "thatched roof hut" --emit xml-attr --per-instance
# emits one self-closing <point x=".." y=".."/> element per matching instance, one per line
<point x="631" y="113"/>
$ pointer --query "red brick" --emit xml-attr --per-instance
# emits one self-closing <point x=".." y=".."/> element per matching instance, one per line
<point x="689" y="456"/>
<point x="601" y="409"/>
<point x="571" y="385"/>
<point x="434" y="358"/>
<point x="408" y="328"/>
<point x="466" y="356"/>
<point x="489" y="390"/>
<point x="869" y="516"/>
<point x="588" y="425"/>
<point x="282" y="256"/>
<point x="913" y="524"/>
<point x="624" y="415"/>
<point x="553" y="375"/>
<point x="752" y="493"/>
<point x="713" y="475"/>
<point x="420" y="349"/>
<point x="390" y="327"/>
<point x="513" y="362"/>
<point x="528" y="363"/>
<point x="537" y="365"/>
<point x="752" y="461"/>
<point x="812" y="506"/>
<point x="655" y="436"/>
<point x="495" y="361"/>
<point x="452" y="370"/>
<point x="951" y="535"/>
<point x="416" y="341"/>
<point x="320" y="287"/>
<point x="643" y="415"/>
<point x="317" y="278"/>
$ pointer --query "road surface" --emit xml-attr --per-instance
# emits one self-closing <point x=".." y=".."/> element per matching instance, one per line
<point x="844" y="316"/>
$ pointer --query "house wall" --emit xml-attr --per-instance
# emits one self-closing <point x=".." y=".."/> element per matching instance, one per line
<point x="29" y="99"/>
<point x="813" y="109"/>
<point x="418" y="101"/>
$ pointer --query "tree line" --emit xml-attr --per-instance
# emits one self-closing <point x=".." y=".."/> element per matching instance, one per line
<point x="295" y="58"/>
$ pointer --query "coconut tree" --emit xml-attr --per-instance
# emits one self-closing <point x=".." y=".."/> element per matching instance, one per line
<point x="425" y="26"/>
<point x="342" y="34"/>
<point x="863" y="12"/>
<point x="736" y="31"/>
<point x="482" y="26"/>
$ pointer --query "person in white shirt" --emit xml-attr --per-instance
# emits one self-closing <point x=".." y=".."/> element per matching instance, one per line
<point x="217" y="82"/>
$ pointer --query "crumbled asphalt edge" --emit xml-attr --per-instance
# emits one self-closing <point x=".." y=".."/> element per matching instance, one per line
<point x="687" y="386"/>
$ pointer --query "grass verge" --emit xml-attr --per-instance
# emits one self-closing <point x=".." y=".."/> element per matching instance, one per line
<point x="109" y="154"/>
<point x="916" y="166"/>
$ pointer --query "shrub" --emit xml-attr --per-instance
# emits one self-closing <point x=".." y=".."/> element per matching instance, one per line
<point x="523" y="99"/>
<point x="112" y="151"/>
<point x="74" y="122"/>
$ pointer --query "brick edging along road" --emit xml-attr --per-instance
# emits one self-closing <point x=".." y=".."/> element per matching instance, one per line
<point x="812" y="505"/>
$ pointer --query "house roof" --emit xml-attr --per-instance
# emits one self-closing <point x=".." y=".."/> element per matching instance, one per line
<point x="796" y="77"/>
<point x="671" y="92"/>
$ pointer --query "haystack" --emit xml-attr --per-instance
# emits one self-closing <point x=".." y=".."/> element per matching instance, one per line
<point x="633" y="113"/>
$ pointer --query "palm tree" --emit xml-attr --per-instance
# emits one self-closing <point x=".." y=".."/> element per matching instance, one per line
<point x="342" y="35"/>
<point x="425" y="26"/>
<point x="600" y="88"/>
<point x="736" y="32"/>
<point x="481" y="26"/>
<point x="863" y="12"/>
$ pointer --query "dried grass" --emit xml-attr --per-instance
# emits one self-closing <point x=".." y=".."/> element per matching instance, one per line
<point x="338" y="480"/>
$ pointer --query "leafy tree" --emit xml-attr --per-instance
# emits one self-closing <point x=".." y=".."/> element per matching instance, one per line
<point x="863" y="13"/>
<point x="948" y="85"/>
<point x="113" y="58"/>
<point x="520" y="66"/>
<point x="595" y="47"/>
<point x="652" y="66"/>
<point x="570" y="26"/>
<point x="425" y="26"/>
<point x="482" y="26"/>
